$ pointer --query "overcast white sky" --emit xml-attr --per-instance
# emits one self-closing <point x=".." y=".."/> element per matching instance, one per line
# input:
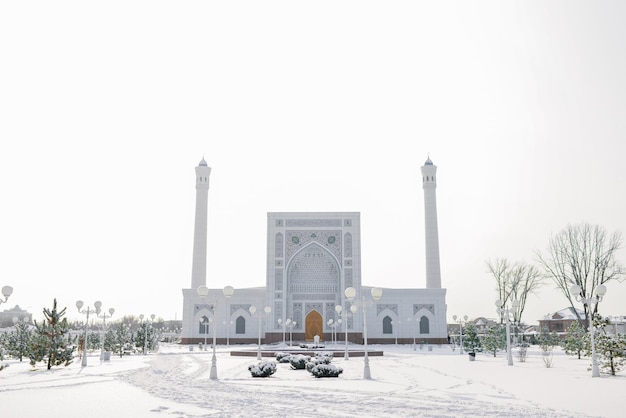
<point x="107" y="107"/>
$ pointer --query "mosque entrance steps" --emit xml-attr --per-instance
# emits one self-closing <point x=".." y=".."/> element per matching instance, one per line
<point x="307" y="351"/>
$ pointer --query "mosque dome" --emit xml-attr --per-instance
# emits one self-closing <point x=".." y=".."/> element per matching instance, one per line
<point x="428" y="161"/>
<point x="204" y="164"/>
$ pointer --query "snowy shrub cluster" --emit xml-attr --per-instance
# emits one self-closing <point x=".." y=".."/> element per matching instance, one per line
<point x="320" y="358"/>
<point x="282" y="357"/>
<point x="264" y="368"/>
<point x="311" y="346"/>
<point x="299" y="361"/>
<point x="321" y="366"/>
<point x="325" y="354"/>
<point x="326" y="370"/>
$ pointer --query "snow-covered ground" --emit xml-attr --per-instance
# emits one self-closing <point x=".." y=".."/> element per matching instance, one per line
<point x="175" y="383"/>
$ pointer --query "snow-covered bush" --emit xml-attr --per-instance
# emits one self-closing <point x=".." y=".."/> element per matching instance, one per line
<point x="320" y="358"/>
<point x="282" y="357"/>
<point x="264" y="368"/>
<point x="326" y="370"/>
<point x="299" y="361"/>
<point x="311" y="346"/>
<point x="325" y="354"/>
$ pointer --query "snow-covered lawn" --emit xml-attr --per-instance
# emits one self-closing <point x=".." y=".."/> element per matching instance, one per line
<point x="175" y="383"/>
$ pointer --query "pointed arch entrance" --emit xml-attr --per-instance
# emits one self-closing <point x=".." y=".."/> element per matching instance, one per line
<point x="313" y="326"/>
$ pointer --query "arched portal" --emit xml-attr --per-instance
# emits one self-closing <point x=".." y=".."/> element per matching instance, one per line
<point x="313" y="283"/>
<point x="424" y="325"/>
<point x="240" y="325"/>
<point x="313" y="325"/>
<point x="387" y="325"/>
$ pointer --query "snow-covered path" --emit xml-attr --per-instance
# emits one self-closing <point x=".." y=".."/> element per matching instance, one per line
<point x="404" y="389"/>
<point x="175" y="383"/>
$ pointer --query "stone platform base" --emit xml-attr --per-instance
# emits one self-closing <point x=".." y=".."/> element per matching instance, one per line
<point x="307" y="352"/>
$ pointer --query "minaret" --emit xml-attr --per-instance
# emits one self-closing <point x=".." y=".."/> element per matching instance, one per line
<point x="198" y="267"/>
<point x="429" y="181"/>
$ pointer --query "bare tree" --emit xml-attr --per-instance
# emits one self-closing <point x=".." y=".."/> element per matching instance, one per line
<point x="514" y="282"/>
<point x="500" y="268"/>
<point x="525" y="279"/>
<point x="582" y="255"/>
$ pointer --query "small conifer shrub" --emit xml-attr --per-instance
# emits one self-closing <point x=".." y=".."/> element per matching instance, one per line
<point x="282" y="357"/>
<point x="299" y="361"/>
<point x="326" y="370"/>
<point x="264" y="368"/>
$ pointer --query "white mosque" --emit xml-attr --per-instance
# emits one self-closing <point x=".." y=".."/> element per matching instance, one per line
<point x="312" y="258"/>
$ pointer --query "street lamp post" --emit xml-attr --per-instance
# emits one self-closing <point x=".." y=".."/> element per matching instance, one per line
<point x="227" y="325"/>
<point x="228" y="291"/>
<point x="290" y="324"/>
<point x="282" y="325"/>
<point x="376" y="293"/>
<point x="205" y="321"/>
<point x="104" y="316"/>
<point x="460" y="331"/>
<point x="267" y="311"/>
<point x="203" y="291"/>
<point x="338" y="330"/>
<point x="6" y="292"/>
<point x="504" y="309"/>
<point x="338" y="309"/>
<point x="395" y="331"/>
<point x="592" y="303"/>
<point x="331" y="323"/>
<point x="79" y="306"/>
<point x="409" y="319"/>
<point x="344" y="316"/>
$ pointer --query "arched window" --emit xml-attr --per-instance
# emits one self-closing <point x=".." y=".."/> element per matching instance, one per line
<point x="240" y="325"/>
<point x="204" y="325"/>
<point x="387" y="325"/>
<point x="424" y="325"/>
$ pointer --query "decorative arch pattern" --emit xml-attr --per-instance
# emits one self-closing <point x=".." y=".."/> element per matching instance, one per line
<point x="313" y="271"/>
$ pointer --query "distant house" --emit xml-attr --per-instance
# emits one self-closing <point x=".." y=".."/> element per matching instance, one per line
<point x="483" y="324"/>
<point x="6" y="317"/>
<point x="561" y="320"/>
<point x="617" y="325"/>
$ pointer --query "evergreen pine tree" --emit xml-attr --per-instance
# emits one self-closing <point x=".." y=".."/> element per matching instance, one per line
<point x="146" y="332"/>
<point x="93" y="340"/>
<point x="471" y="342"/>
<point x="49" y="342"/>
<point x="610" y="349"/>
<point x="121" y="338"/>
<point x="18" y="341"/>
<point x="547" y="340"/>
<point x="576" y="340"/>
<point x="494" y="340"/>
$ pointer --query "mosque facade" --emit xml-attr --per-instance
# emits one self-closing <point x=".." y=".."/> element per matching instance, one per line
<point x="312" y="258"/>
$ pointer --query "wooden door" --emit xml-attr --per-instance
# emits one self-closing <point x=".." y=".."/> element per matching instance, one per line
<point x="313" y="326"/>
